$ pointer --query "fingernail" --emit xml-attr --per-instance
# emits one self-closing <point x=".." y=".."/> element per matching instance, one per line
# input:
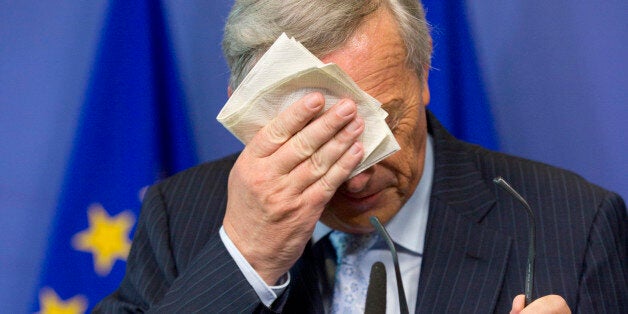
<point x="313" y="101"/>
<point x="346" y="108"/>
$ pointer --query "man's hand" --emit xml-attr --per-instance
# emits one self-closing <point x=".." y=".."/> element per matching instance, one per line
<point x="548" y="304"/>
<point x="285" y="176"/>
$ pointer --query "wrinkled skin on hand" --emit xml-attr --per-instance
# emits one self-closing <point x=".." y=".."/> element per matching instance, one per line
<point x="285" y="176"/>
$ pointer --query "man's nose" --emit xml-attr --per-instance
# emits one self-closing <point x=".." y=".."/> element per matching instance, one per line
<point x="358" y="183"/>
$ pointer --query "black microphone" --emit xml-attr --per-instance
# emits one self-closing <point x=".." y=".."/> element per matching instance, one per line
<point x="376" y="293"/>
<point x="529" y="279"/>
<point x="403" y="304"/>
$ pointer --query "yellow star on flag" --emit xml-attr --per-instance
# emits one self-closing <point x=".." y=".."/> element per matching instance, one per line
<point x="51" y="303"/>
<point x="107" y="238"/>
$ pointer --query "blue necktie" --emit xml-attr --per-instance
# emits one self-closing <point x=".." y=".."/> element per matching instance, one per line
<point x="351" y="284"/>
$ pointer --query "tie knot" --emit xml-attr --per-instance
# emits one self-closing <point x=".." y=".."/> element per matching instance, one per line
<point x="351" y="244"/>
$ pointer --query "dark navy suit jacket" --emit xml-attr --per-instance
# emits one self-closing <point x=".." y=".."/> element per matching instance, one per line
<point x="475" y="247"/>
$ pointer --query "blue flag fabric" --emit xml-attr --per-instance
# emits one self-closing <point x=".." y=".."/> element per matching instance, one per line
<point x="133" y="130"/>
<point x="458" y="97"/>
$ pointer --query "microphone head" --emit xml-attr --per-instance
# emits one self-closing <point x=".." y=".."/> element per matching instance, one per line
<point x="376" y="293"/>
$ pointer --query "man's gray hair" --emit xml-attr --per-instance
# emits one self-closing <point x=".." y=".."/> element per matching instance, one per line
<point x="322" y="26"/>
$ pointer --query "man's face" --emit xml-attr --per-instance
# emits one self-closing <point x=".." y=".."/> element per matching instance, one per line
<point x="375" y="58"/>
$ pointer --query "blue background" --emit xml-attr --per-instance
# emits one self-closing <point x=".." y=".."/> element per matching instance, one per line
<point x="555" y="74"/>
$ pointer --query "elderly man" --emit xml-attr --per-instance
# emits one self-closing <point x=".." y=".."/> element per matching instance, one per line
<point x="256" y="231"/>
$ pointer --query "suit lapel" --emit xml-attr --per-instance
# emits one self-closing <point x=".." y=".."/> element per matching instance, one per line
<point x="464" y="262"/>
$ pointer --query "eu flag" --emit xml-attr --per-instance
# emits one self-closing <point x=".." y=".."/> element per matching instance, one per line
<point x="458" y="97"/>
<point x="132" y="131"/>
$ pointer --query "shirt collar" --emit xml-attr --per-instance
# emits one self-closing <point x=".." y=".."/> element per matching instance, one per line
<point x="407" y="227"/>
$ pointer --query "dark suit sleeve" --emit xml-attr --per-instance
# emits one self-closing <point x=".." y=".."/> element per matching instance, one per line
<point x="210" y="282"/>
<point x="604" y="282"/>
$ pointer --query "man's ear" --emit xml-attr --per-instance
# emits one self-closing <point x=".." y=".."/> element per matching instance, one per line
<point x="229" y="91"/>
<point x="425" y="88"/>
<point x="425" y="92"/>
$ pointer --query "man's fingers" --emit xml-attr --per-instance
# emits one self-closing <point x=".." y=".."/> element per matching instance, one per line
<point x="313" y="168"/>
<point x="285" y="125"/>
<point x="518" y="304"/>
<point x="321" y="130"/>
<point x="323" y="189"/>
<point x="550" y="304"/>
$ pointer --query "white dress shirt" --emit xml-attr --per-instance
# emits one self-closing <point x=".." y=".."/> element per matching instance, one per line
<point x="407" y="229"/>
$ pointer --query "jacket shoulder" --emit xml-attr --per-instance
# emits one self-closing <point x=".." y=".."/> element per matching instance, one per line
<point x="546" y="187"/>
<point x="193" y="204"/>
